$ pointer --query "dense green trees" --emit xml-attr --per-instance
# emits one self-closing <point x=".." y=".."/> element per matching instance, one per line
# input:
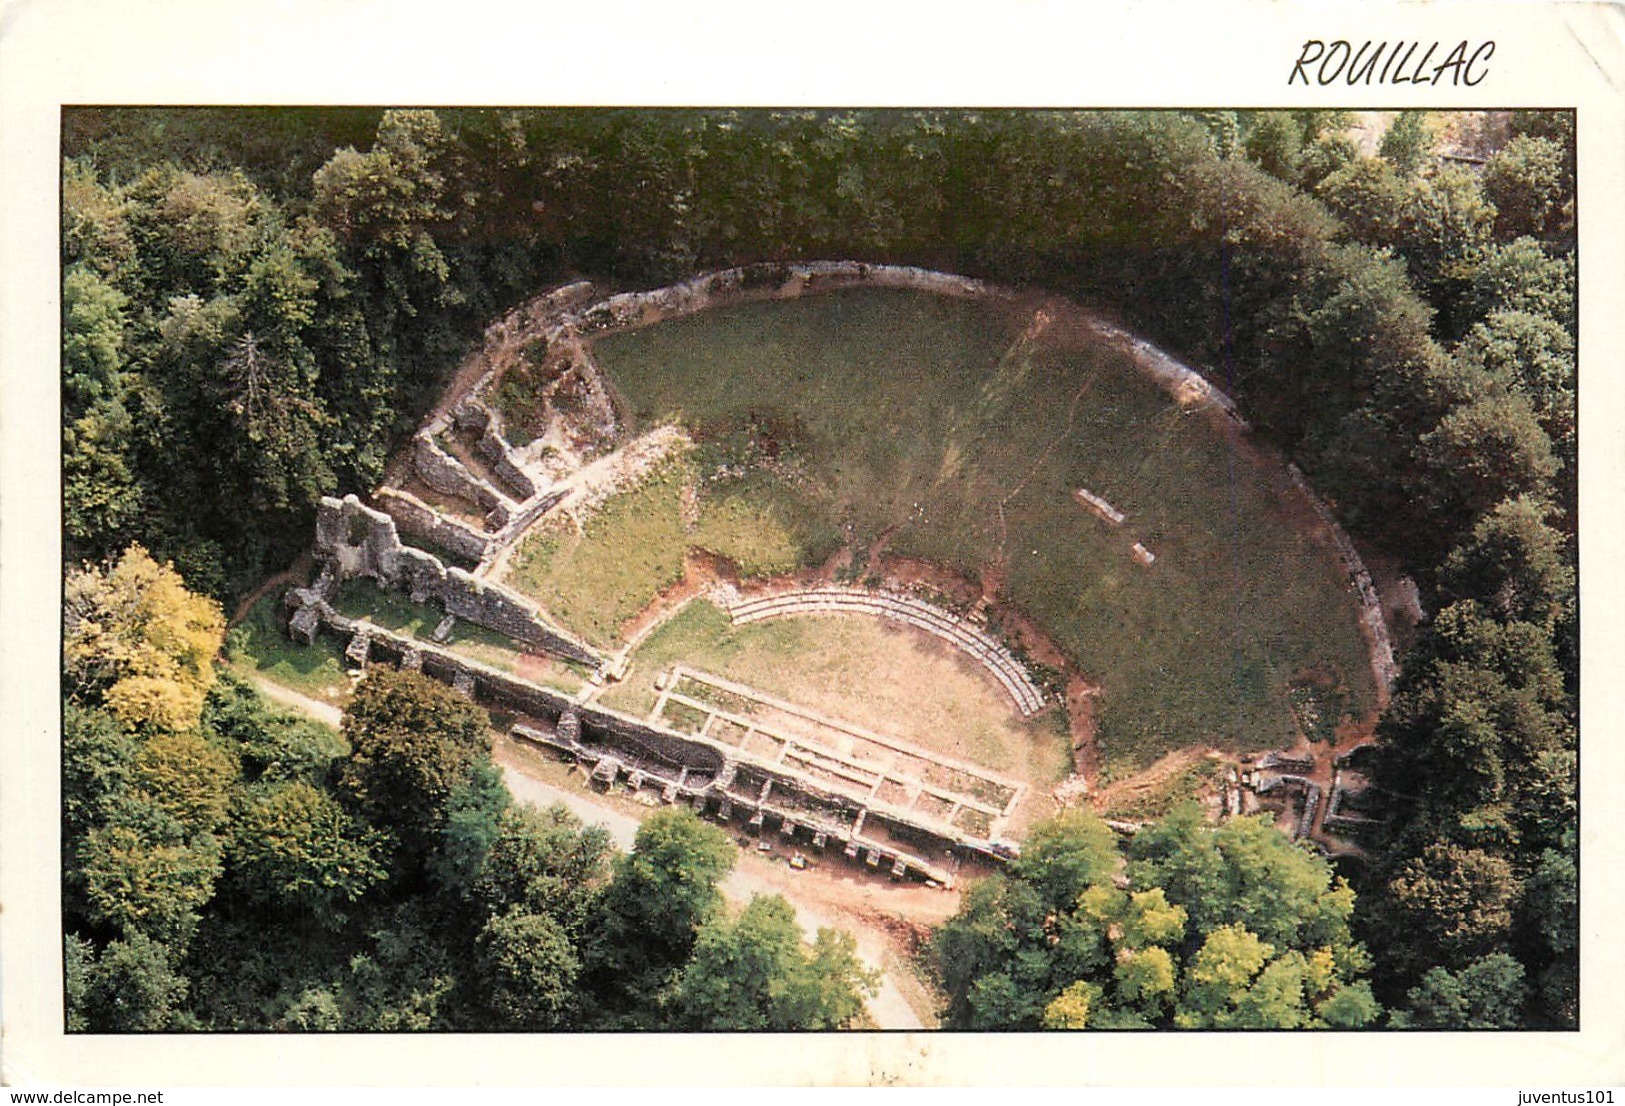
<point x="753" y="972"/>
<point x="1528" y="182"/>
<point x="130" y="986"/>
<point x="230" y="867"/>
<point x="303" y="320"/>
<point x="1407" y="144"/>
<point x="240" y="351"/>
<point x="100" y="486"/>
<point x="1514" y="564"/>
<point x="295" y="848"/>
<point x="528" y="969"/>
<point x="137" y="643"/>
<point x="1476" y="766"/>
<point x="663" y="892"/>
<point x="412" y="741"/>
<point x="148" y="788"/>
<point x="544" y="861"/>
<point x="1216" y="928"/>
<point x="1487" y="994"/>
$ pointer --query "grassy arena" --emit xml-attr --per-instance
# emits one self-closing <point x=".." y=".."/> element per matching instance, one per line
<point x="845" y="415"/>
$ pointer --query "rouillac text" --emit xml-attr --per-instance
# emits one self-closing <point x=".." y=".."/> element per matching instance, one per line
<point x="1401" y="62"/>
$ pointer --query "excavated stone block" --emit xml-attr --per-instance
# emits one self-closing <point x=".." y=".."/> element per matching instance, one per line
<point x="305" y="623"/>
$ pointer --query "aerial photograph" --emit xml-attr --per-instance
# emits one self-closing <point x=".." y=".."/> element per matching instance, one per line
<point x="702" y="570"/>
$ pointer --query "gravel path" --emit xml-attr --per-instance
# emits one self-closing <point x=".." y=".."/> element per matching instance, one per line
<point x="322" y="712"/>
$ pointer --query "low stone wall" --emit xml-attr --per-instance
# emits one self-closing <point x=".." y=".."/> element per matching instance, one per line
<point x="691" y="766"/>
<point x="449" y="476"/>
<point x="415" y="517"/>
<point x="359" y="541"/>
<point x="816" y="820"/>
<point x="1179" y="380"/>
<point x="529" y="513"/>
<point x="626" y="310"/>
<point x="494" y="448"/>
<point x="1383" y="665"/>
<point x="977" y="644"/>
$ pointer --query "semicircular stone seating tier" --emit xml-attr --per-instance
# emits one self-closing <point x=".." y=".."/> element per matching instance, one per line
<point x="911" y="611"/>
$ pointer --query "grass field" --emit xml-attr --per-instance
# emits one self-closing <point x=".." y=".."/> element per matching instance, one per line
<point x="361" y="598"/>
<point x="870" y="411"/>
<point x="260" y="646"/>
<point x="632" y="546"/>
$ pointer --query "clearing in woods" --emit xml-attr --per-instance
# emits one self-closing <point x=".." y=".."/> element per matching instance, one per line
<point x="958" y="432"/>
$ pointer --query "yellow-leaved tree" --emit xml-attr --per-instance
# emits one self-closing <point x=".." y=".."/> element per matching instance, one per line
<point x="136" y="640"/>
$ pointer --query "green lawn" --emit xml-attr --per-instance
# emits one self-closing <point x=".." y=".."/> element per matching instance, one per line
<point x="858" y="412"/>
<point x="260" y="646"/>
<point x="631" y="548"/>
<point x="632" y="545"/>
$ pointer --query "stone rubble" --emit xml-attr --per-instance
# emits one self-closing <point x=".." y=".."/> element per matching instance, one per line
<point x="507" y="490"/>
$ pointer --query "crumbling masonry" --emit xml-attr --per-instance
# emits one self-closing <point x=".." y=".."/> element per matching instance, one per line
<point x="716" y="779"/>
<point x="353" y="540"/>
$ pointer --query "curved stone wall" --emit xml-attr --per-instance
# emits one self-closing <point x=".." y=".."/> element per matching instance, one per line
<point x="911" y="611"/>
<point x="564" y="318"/>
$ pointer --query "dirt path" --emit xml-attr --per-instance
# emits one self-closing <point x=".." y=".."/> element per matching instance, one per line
<point x="701" y="572"/>
<point x="1149" y="779"/>
<point x="588" y="486"/>
<point x="888" y="1007"/>
<point x="322" y="712"/>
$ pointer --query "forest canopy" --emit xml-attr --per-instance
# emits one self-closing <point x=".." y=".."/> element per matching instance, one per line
<point x="257" y="304"/>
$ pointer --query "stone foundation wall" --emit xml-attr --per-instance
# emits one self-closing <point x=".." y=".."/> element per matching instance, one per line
<point x="475" y="415"/>
<point x="359" y="541"/>
<point x="631" y="745"/>
<point x="532" y="510"/>
<point x="494" y="448"/>
<point x="1179" y="380"/>
<point x="632" y="309"/>
<point x="449" y="476"/>
<point x="415" y="517"/>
